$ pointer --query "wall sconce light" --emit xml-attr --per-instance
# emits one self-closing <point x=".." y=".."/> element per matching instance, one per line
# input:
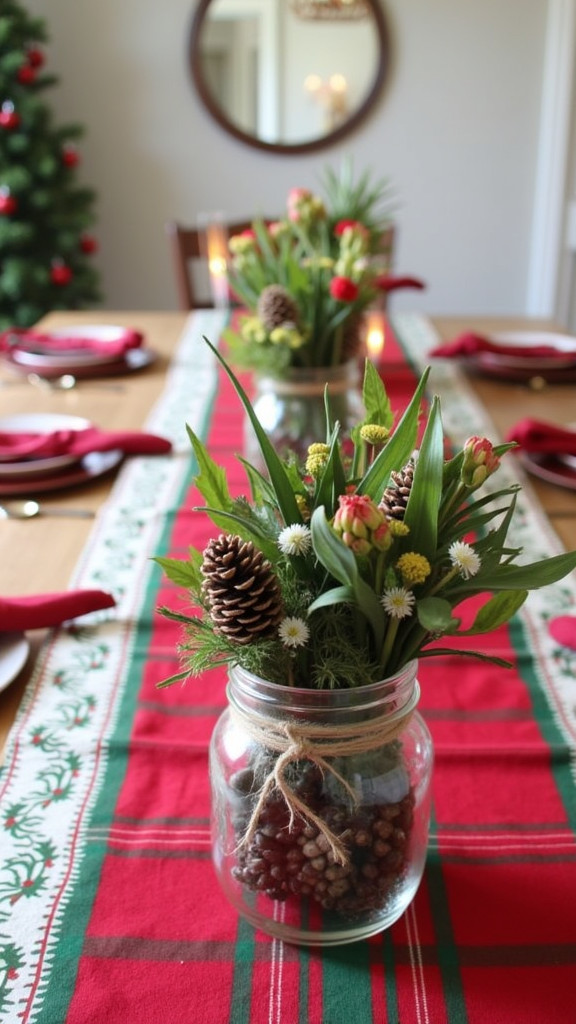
<point x="332" y="94"/>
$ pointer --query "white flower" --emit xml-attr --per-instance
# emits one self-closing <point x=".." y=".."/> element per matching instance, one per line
<point x="464" y="557"/>
<point x="295" y="540"/>
<point x="293" y="632"/>
<point x="398" y="602"/>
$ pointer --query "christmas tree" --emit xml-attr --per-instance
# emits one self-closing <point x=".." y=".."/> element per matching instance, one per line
<point x="45" y="248"/>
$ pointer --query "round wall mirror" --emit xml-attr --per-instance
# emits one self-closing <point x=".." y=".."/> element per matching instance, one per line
<point x="289" y="76"/>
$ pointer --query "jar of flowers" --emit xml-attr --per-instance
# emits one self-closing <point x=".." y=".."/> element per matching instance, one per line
<point x="306" y="282"/>
<point x="323" y="589"/>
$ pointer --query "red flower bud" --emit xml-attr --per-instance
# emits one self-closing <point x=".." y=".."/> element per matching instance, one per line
<point x="343" y="289"/>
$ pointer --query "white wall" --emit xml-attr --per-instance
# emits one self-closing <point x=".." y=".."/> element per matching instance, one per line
<point x="456" y="130"/>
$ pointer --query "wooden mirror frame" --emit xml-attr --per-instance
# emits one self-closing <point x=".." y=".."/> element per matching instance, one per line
<point x="312" y="145"/>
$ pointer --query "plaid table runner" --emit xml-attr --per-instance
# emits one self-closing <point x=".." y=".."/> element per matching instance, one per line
<point x="109" y="906"/>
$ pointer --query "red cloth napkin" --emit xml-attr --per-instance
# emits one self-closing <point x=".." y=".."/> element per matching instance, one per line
<point x="53" y="344"/>
<point x="563" y="629"/>
<point x="537" y="436"/>
<point x="389" y="283"/>
<point x="470" y="344"/>
<point x="39" y="610"/>
<point x="15" y="446"/>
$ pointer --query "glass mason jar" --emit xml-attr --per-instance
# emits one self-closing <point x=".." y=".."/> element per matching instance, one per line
<point x="291" y="408"/>
<point x="320" y="805"/>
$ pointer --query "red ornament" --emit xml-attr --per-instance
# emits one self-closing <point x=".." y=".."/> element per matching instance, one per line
<point x="70" y="156"/>
<point x="9" y="119"/>
<point x="26" y="74"/>
<point x="35" y="57"/>
<point x="8" y="204"/>
<point x="60" y="273"/>
<point x="88" y="244"/>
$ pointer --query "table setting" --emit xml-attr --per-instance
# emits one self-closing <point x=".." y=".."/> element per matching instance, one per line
<point x="534" y="357"/>
<point x="99" y="350"/>
<point x="128" y="832"/>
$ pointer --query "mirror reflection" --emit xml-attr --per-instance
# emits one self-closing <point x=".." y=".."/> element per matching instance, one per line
<point x="288" y="74"/>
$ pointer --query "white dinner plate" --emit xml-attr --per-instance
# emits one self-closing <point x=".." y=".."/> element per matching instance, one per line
<point x="565" y="343"/>
<point x="90" y="467"/>
<point x="37" y="356"/>
<point x="39" y="423"/>
<point x="14" y="649"/>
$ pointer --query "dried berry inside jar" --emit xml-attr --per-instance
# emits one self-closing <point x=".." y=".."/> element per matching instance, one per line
<point x="285" y="860"/>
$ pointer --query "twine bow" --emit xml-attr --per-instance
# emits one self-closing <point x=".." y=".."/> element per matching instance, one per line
<point x="295" y="740"/>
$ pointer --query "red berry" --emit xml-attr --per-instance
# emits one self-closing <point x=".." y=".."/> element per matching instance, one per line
<point x="8" y="204"/>
<point x="88" y="243"/>
<point x="26" y="74"/>
<point x="35" y="57"/>
<point x="60" y="274"/>
<point x="9" y="119"/>
<point x="70" y="156"/>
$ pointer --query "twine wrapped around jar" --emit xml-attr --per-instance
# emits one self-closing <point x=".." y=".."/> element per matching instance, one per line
<point x="296" y="740"/>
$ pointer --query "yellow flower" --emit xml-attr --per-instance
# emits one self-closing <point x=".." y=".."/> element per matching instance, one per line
<point x="373" y="433"/>
<point x="317" y="458"/>
<point x="252" y="330"/>
<point x="286" y="335"/>
<point x="398" y="528"/>
<point x="413" y="568"/>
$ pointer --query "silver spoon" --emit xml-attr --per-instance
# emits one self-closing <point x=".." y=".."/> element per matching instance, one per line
<point x="67" y="382"/>
<point x="29" y="509"/>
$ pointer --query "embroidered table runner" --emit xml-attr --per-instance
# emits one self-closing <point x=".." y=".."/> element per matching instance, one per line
<point x="109" y="907"/>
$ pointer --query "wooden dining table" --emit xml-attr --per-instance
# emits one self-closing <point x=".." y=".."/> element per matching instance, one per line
<point x="41" y="554"/>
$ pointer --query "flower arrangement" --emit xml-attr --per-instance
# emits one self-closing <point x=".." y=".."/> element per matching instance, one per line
<point x="339" y="571"/>
<point x="307" y="279"/>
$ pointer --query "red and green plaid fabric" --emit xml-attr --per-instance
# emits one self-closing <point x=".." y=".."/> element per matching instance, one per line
<point x="145" y="934"/>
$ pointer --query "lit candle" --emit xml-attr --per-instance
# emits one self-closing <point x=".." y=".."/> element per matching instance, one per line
<point x="374" y="336"/>
<point x="214" y="248"/>
<point x="217" y="248"/>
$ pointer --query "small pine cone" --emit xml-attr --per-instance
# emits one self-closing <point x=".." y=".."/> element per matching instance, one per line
<point x="241" y="589"/>
<point x="352" y="338"/>
<point x="276" y="307"/>
<point x="395" y="498"/>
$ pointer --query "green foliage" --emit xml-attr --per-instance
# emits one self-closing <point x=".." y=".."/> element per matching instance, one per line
<point x="368" y="593"/>
<point x="53" y="210"/>
<point x="307" y="254"/>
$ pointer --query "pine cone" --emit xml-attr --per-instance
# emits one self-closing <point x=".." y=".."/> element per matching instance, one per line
<point x="395" y="498"/>
<point x="241" y="589"/>
<point x="276" y="307"/>
<point x="352" y="338"/>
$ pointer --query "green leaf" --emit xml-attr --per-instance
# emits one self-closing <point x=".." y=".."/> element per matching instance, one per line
<point x="183" y="573"/>
<point x="398" y="449"/>
<point x="332" y="482"/>
<point x="337" y="595"/>
<point x="260" y="487"/>
<point x="336" y="558"/>
<point x="278" y="477"/>
<point x="498" y="610"/>
<point x="244" y="528"/>
<point x="211" y="479"/>
<point x="376" y="401"/>
<point x="435" y="615"/>
<point x="426" y="492"/>
<point x="525" y="577"/>
<point x="440" y="652"/>
<point x="341" y="563"/>
<point x="179" y="677"/>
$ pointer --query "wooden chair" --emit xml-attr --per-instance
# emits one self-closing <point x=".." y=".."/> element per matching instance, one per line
<point x="189" y="250"/>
